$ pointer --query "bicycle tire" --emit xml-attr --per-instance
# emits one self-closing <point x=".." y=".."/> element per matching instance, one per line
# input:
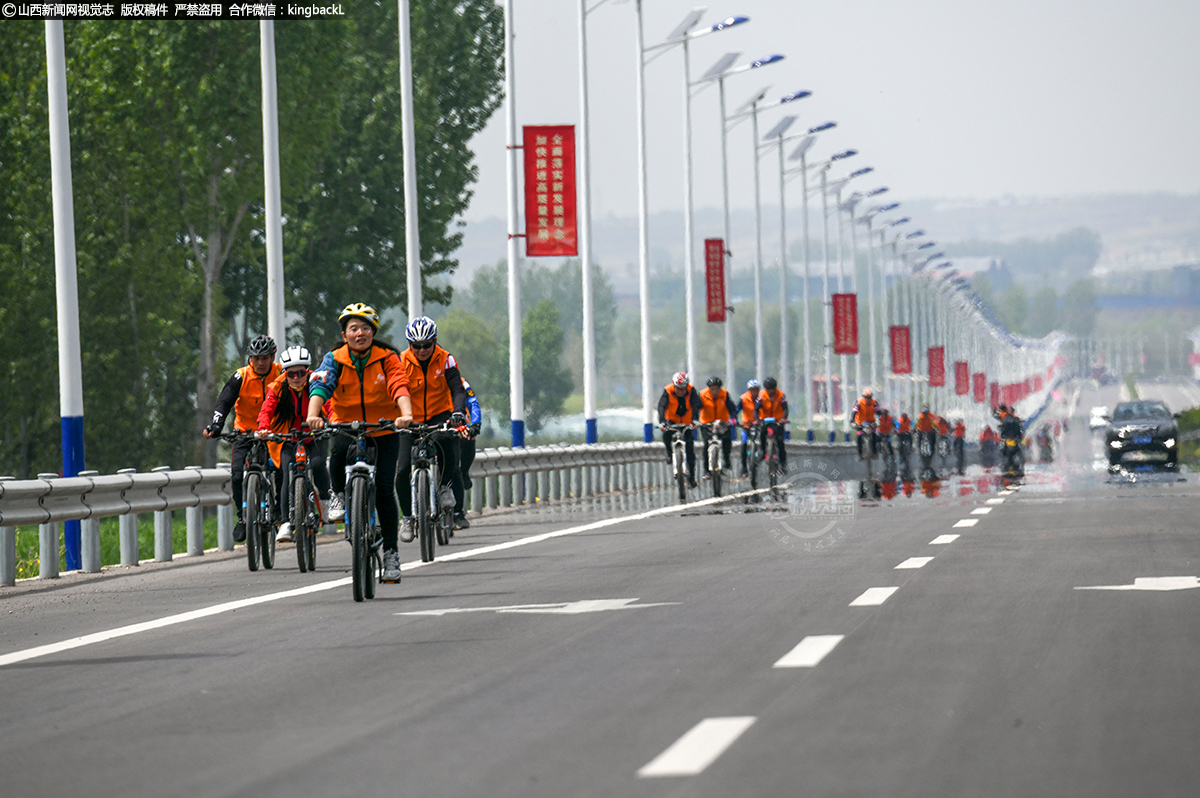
<point x="772" y="463"/>
<point x="754" y="465"/>
<point x="680" y="478"/>
<point x="314" y="526"/>
<point x="715" y="474"/>
<point x="421" y="514"/>
<point x="444" y="525"/>
<point x="356" y="518"/>
<point x="268" y="534"/>
<point x="250" y="514"/>
<point x="300" y="521"/>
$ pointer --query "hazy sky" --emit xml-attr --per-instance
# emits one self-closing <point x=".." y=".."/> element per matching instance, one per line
<point x="968" y="99"/>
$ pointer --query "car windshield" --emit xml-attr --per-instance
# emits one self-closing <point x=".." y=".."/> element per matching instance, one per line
<point x="1133" y="410"/>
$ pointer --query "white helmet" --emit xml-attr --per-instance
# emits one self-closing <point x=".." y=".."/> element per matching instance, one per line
<point x="295" y="356"/>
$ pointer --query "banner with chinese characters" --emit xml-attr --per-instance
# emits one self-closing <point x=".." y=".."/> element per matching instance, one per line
<point x="901" y="350"/>
<point x="962" y="378"/>
<point x="714" y="277"/>
<point x="845" y="324"/>
<point x="980" y="385"/>
<point x="994" y="394"/>
<point x="937" y="366"/>
<point x="551" y="228"/>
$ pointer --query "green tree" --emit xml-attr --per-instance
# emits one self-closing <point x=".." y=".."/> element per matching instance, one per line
<point x="1013" y="308"/>
<point x="1043" y="313"/>
<point x="481" y="354"/>
<point x="547" y="383"/>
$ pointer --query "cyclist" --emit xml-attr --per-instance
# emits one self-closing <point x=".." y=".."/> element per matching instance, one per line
<point x="284" y="410"/>
<point x="886" y="427"/>
<point x="864" y="413"/>
<point x="715" y="405"/>
<point x="244" y="394"/>
<point x="960" y="442"/>
<point x="364" y="380"/>
<point x="749" y="402"/>
<point x="773" y="404"/>
<point x="437" y="396"/>
<point x="680" y="404"/>
<point x="926" y="427"/>
<point x="466" y="451"/>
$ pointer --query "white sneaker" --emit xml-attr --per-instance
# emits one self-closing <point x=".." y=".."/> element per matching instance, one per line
<point x="285" y="533"/>
<point x="336" y="509"/>
<point x="407" y="530"/>
<point x="391" y="566"/>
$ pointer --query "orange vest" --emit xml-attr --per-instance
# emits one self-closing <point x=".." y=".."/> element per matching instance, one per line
<point x="251" y="396"/>
<point x="714" y="407"/>
<point x="283" y="392"/>
<point x="905" y="424"/>
<point x="925" y="422"/>
<point x="885" y="424"/>
<point x="960" y="431"/>
<point x="771" y="408"/>
<point x="942" y="427"/>
<point x="749" y="411"/>
<point x="672" y="414"/>
<point x="864" y="411"/>
<point x="427" y="386"/>
<point x="374" y="397"/>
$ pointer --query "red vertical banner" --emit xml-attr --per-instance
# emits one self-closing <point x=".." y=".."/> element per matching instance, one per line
<point x="937" y="366"/>
<point x="551" y="226"/>
<point x="979" y="380"/>
<point x="962" y="378"/>
<point x="1037" y="383"/>
<point x="845" y="324"/>
<point x="714" y="277"/>
<point x="994" y="394"/>
<point x="901" y="350"/>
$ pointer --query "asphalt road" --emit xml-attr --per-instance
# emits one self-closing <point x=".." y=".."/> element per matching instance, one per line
<point x="639" y="658"/>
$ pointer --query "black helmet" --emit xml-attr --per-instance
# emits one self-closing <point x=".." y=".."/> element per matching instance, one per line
<point x="262" y="345"/>
<point x="714" y="382"/>
<point x="770" y="384"/>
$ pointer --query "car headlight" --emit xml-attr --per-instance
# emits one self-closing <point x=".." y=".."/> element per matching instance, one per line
<point x="1169" y="442"/>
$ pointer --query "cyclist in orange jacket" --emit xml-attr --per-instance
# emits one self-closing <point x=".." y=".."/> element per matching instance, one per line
<point x="715" y="405"/>
<point x="864" y="413"/>
<point x="680" y="404"/>
<point x="773" y="412"/>
<point x="749" y="406"/>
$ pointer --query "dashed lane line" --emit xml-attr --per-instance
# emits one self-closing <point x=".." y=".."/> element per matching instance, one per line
<point x="698" y="748"/>
<point x="981" y="511"/>
<point x="874" y="596"/>
<point x="914" y="562"/>
<point x="942" y="540"/>
<point x="966" y="522"/>
<point x="809" y="652"/>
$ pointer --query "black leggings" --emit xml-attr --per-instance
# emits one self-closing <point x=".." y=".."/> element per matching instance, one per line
<point x="387" y="447"/>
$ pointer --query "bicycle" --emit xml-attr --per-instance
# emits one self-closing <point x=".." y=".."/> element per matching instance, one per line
<point x="888" y="450"/>
<point x="868" y="447"/>
<point x="679" y="457"/>
<point x="432" y="503"/>
<point x="258" y="500"/>
<point x="713" y="451"/>
<point x="754" y="455"/>
<point x="771" y="452"/>
<point x="943" y="450"/>
<point x="366" y="541"/>
<point x="305" y="508"/>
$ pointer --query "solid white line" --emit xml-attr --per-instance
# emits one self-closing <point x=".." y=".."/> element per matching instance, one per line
<point x="942" y="540"/>
<point x="697" y="749"/>
<point x="966" y="522"/>
<point x="914" y="562"/>
<point x="809" y="652"/>
<point x="981" y="511"/>
<point x="874" y="596"/>
<point x="171" y="620"/>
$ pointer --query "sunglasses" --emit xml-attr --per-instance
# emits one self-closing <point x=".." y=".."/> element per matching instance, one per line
<point x="426" y="345"/>
<point x="297" y="373"/>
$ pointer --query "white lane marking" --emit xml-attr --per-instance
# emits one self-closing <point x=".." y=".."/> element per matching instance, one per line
<point x="914" y="562"/>
<point x="994" y="501"/>
<point x="558" y="608"/>
<point x="981" y="511"/>
<point x="697" y="749"/>
<point x="966" y="522"/>
<point x="942" y="540"/>
<point x="216" y="609"/>
<point x="170" y="620"/>
<point x="809" y="651"/>
<point x="874" y="596"/>
<point x="1152" y="583"/>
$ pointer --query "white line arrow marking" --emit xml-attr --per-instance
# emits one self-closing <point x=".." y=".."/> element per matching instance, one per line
<point x="558" y="608"/>
<point x="1153" y="583"/>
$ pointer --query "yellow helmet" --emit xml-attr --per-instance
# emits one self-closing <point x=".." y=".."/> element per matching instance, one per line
<point x="359" y="311"/>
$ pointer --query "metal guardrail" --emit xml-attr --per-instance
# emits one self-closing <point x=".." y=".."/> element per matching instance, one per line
<point x="501" y="478"/>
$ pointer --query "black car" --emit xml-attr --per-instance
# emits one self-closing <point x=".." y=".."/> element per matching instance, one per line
<point x="1142" y="433"/>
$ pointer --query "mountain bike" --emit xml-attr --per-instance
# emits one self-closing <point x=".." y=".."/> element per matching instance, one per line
<point x="305" y="508"/>
<point x="679" y="457"/>
<point x="259" y="501"/>
<point x="887" y="452"/>
<point x="943" y="450"/>
<point x="771" y="451"/>
<point x="754" y="453"/>
<point x="432" y="502"/>
<point x="868" y="447"/>
<point x="362" y="529"/>
<point x="925" y="449"/>
<point x="712" y="453"/>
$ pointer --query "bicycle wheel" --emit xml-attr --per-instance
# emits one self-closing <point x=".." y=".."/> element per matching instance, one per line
<point x="250" y="514"/>
<point x="314" y="526"/>
<point x="772" y="464"/>
<point x="421" y="514"/>
<point x="356" y="518"/>
<point x="754" y="467"/>
<point x="267" y="539"/>
<point x="299" y="520"/>
<point x="445" y="523"/>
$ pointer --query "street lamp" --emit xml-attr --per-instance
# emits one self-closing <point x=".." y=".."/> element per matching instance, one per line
<point x="836" y="188"/>
<point x="718" y="72"/>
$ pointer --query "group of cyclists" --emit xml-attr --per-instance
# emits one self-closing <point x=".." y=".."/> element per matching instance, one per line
<point x="364" y="379"/>
<point x="762" y="410"/>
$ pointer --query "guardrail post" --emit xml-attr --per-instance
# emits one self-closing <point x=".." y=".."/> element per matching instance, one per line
<point x="506" y="489"/>
<point x="543" y="478"/>
<point x="492" y="484"/>
<point x="225" y="521"/>
<point x="476" y="495"/>
<point x="48" y="549"/>
<point x="8" y="556"/>
<point x="163" y="544"/>
<point x="556" y="485"/>
<point x="89" y="545"/>
<point x="130" y="550"/>
<point x="195" y="527"/>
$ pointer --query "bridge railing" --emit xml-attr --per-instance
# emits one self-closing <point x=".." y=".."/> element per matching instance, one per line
<point x="501" y="478"/>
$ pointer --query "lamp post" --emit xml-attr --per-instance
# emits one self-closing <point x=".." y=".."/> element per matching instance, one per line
<point x="516" y="372"/>
<point x="873" y="333"/>
<point x="842" y="283"/>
